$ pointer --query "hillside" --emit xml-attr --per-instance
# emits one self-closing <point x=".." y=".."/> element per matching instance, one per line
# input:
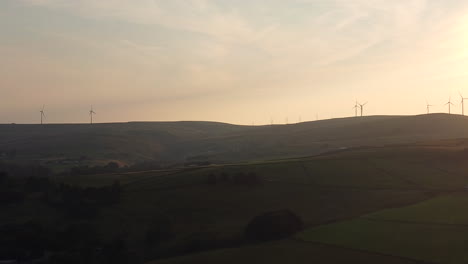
<point x="174" y="142"/>
<point x="208" y="215"/>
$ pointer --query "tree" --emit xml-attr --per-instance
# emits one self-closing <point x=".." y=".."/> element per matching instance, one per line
<point x="273" y="225"/>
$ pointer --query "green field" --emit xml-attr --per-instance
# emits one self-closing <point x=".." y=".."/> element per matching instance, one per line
<point x="434" y="231"/>
<point x="441" y="210"/>
<point x="338" y="196"/>
<point x="320" y="190"/>
<point x="287" y="251"/>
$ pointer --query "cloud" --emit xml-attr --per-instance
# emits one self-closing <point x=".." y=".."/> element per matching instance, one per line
<point x="198" y="16"/>
<point x="265" y="49"/>
<point x="280" y="31"/>
<point x="268" y="38"/>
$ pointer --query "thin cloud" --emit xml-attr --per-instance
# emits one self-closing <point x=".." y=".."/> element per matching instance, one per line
<point x="267" y="49"/>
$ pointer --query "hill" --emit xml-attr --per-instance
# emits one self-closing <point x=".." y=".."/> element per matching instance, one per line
<point x="177" y="142"/>
<point x="205" y="210"/>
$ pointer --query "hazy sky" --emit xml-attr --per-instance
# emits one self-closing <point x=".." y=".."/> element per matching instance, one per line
<point x="229" y="60"/>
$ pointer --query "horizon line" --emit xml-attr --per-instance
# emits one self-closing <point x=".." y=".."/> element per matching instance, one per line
<point x="221" y="122"/>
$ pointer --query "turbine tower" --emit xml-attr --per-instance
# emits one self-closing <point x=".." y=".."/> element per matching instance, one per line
<point x="42" y="114"/>
<point x="462" y="103"/>
<point x="91" y="113"/>
<point x="428" y="107"/>
<point x="449" y="105"/>
<point x="362" y="108"/>
<point x="356" y="107"/>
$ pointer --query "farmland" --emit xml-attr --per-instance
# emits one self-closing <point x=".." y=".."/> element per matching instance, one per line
<point x="356" y="204"/>
<point x="433" y="231"/>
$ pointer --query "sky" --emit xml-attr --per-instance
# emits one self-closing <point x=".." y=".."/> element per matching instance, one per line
<point x="241" y="62"/>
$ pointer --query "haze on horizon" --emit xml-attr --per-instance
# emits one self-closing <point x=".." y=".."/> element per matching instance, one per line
<point x="229" y="61"/>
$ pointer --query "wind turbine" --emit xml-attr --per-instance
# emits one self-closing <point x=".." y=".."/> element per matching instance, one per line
<point x="449" y="105"/>
<point x="42" y="113"/>
<point x="91" y="113"/>
<point x="462" y="103"/>
<point x="362" y="108"/>
<point x="356" y="106"/>
<point x="428" y="107"/>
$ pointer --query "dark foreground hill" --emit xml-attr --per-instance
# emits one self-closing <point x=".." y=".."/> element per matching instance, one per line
<point x="394" y="204"/>
<point x="176" y="142"/>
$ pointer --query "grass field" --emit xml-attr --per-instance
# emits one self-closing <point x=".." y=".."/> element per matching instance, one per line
<point x="335" y="189"/>
<point x="287" y="251"/>
<point x="320" y="190"/>
<point x="448" y="210"/>
<point x="434" y="231"/>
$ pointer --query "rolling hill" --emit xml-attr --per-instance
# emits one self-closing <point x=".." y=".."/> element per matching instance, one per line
<point x="175" y="142"/>
<point x="207" y="219"/>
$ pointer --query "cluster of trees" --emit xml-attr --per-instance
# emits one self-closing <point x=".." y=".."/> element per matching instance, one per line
<point x="74" y="243"/>
<point x="73" y="201"/>
<point x="74" y="240"/>
<point x="14" y="190"/>
<point x="241" y="178"/>
<point x="82" y="202"/>
<point x="273" y="225"/>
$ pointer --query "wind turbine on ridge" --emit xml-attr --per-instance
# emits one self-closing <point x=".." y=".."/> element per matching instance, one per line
<point x="42" y="113"/>
<point x="428" y="107"/>
<point x="356" y="107"/>
<point x="362" y="108"/>
<point x="449" y="105"/>
<point x="91" y="113"/>
<point x="462" y="103"/>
